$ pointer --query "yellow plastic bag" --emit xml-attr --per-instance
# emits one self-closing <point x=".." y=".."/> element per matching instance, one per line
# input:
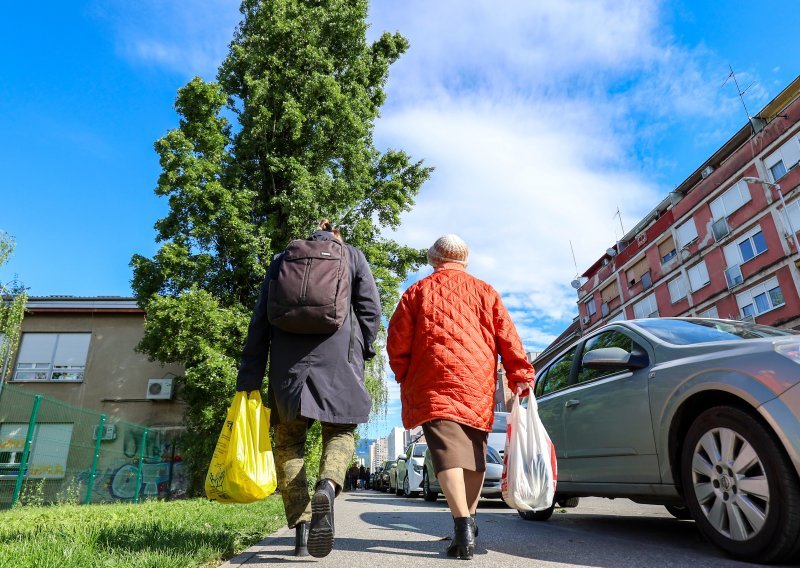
<point x="242" y="469"/>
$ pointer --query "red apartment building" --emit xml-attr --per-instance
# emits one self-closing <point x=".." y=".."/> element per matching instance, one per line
<point x="722" y="244"/>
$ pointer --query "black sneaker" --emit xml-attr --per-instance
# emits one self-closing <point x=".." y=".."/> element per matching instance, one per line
<point x="301" y="539"/>
<point x="320" y="536"/>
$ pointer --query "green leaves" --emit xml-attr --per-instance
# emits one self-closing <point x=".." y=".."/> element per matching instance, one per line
<point x="280" y="140"/>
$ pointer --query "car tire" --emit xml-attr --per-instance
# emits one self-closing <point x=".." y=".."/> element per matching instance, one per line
<point x="427" y="494"/>
<point x="740" y="487"/>
<point x="569" y="502"/>
<point x="681" y="512"/>
<point x="542" y="515"/>
<point x="407" y="487"/>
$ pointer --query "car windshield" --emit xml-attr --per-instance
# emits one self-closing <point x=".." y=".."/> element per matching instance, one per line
<point x="389" y="465"/>
<point x="492" y="456"/>
<point x="419" y="450"/>
<point x="499" y="425"/>
<point x="690" y="331"/>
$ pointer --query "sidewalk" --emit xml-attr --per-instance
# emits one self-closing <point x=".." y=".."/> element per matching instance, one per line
<point x="379" y="529"/>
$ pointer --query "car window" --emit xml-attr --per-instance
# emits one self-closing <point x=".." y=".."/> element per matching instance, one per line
<point x="492" y="456"/>
<point x="541" y="379"/>
<point x="607" y="339"/>
<point x="558" y="373"/>
<point x="500" y="424"/>
<point x="687" y="332"/>
<point x="419" y="450"/>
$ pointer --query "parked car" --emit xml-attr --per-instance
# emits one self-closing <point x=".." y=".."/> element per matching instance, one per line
<point x="393" y="475"/>
<point x="700" y="415"/>
<point x="497" y="437"/>
<point x="409" y="470"/>
<point x="382" y="476"/>
<point x="491" y="483"/>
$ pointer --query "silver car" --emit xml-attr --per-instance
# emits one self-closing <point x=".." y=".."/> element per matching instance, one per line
<point x="700" y="415"/>
<point x="491" y="482"/>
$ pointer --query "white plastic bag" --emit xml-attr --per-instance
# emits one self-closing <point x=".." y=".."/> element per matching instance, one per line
<point x="529" y="463"/>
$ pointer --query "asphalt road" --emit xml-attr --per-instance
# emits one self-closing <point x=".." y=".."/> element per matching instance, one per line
<point x="378" y="529"/>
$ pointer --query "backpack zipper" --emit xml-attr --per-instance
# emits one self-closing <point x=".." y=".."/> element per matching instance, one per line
<point x="304" y="289"/>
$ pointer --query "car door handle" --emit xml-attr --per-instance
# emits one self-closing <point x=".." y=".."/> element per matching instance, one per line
<point x="572" y="403"/>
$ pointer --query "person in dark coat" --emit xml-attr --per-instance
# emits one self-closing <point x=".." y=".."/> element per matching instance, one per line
<point x="314" y="377"/>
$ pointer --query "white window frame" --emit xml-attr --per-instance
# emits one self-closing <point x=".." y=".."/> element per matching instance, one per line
<point x="698" y="276"/>
<point x="747" y="303"/>
<point x="591" y="308"/>
<point x="731" y="200"/>
<point x="709" y="313"/>
<point x="48" y="371"/>
<point x="646" y="305"/>
<point x="688" y="231"/>
<point x="734" y="249"/>
<point x="678" y="289"/>
<point x="788" y="153"/>
<point x="792" y="215"/>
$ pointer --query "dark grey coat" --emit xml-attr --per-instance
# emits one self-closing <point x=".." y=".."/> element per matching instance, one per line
<point x="315" y="376"/>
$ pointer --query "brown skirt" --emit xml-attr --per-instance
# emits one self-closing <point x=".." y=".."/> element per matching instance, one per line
<point x="455" y="445"/>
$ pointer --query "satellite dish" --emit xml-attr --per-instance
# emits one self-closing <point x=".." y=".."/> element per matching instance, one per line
<point x="576" y="283"/>
<point x="611" y="251"/>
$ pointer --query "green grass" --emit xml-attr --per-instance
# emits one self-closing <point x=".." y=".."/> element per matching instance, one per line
<point x="154" y="534"/>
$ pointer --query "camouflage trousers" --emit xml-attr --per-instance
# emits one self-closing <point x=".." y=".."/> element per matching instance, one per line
<point x="338" y="445"/>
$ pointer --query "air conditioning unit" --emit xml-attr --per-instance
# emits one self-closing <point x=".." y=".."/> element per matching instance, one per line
<point x="707" y="171"/>
<point x="109" y="432"/>
<point x="586" y="319"/>
<point x="159" y="389"/>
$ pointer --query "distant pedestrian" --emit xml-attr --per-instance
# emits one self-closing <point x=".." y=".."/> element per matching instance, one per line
<point x="361" y="477"/>
<point x="316" y="320"/>
<point x="353" y="474"/>
<point x="443" y="343"/>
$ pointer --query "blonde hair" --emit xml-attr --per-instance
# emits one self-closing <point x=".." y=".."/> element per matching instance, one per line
<point x="326" y="225"/>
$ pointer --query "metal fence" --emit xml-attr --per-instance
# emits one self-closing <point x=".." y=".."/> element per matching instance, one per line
<point x="53" y="452"/>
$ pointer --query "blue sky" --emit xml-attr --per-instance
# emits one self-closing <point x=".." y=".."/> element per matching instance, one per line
<point x="541" y="118"/>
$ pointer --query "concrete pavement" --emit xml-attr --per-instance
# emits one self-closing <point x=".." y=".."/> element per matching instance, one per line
<point x="378" y="529"/>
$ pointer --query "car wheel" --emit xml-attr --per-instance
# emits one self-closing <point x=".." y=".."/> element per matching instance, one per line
<point x="407" y="487"/>
<point x="569" y="502"/>
<point x="542" y="515"/>
<point x="679" y="511"/>
<point x="427" y="494"/>
<point x="740" y="487"/>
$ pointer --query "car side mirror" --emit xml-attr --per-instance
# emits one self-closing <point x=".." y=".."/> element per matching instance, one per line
<point x="613" y="358"/>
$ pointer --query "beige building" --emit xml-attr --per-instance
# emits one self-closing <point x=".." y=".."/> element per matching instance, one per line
<point x="83" y="351"/>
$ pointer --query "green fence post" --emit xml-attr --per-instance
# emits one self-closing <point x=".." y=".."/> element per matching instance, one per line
<point x="139" y="469"/>
<point x="96" y="458"/>
<point x="23" y="466"/>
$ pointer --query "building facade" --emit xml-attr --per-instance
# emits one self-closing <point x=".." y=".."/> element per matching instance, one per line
<point x="377" y="453"/>
<point x="83" y="351"/>
<point x="394" y="443"/>
<point x="722" y="244"/>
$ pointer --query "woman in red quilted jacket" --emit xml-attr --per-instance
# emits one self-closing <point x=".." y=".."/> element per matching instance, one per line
<point x="444" y="341"/>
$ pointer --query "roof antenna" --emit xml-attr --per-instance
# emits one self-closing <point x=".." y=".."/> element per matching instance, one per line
<point x="573" y="258"/>
<point x="741" y="93"/>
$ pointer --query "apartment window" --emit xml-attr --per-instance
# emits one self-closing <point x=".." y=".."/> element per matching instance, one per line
<point x="678" y="288"/>
<point x="745" y="248"/>
<point x="646" y="308"/>
<point x="793" y="213"/>
<point x="591" y="309"/>
<point x="760" y="298"/>
<point x="698" y="276"/>
<point x="686" y="233"/>
<point x="709" y="313"/>
<point x="635" y="273"/>
<point x="666" y="250"/>
<point x="58" y="357"/>
<point x="733" y="276"/>
<point x="784" y="158"/>
<point x="736" y="196"/>
<point x="609" y="293"/>
<point x="647" y="280"/>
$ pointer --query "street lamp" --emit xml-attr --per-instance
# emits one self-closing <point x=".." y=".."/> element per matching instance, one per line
<point x="777" y="186"/>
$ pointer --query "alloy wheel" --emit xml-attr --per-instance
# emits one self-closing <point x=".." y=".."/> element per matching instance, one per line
<point x="730" y="483"/>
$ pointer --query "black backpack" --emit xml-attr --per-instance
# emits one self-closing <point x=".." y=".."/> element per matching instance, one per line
<point x="311" y="292"/>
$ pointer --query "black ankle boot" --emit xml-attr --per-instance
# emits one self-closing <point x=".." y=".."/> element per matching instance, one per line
<point x="301" y="539"/>
<point x="475" y="524"/>
<point x="463" y="545"/>
<point x="320" y="536"/>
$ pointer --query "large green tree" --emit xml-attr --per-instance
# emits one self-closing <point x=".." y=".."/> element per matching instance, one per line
<point x="283" y="138"/>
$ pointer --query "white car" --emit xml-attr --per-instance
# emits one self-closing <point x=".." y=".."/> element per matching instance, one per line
<point x="497" y="437"/>
<point x="409" y="470"/>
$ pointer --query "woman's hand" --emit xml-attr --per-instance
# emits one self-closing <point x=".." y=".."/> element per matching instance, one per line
<point x="523" y="389"/>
